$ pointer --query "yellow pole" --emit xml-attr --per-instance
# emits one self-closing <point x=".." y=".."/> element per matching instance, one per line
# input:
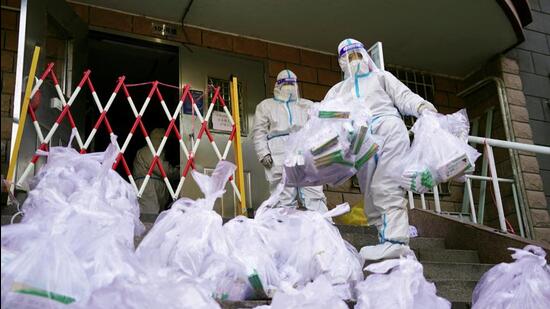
<point x="23" y="116"/>
<point x="237" y="143"/>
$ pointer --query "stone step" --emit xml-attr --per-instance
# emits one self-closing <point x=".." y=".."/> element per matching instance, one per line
<point x="6" y="219"/>
<point x="247" y="304"/>
<point x="361" y="240"/>
<point x="359" y="229"/>
<point x="456" y="291"/>
<point x="454" y="271"/>
<point x="418" y="243"/>
<point x="447" y="255"/>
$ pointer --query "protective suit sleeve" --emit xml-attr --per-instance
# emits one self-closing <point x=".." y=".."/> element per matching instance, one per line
<point x="332" y="92"/>
<point x="260" y="131"/>
<point x="403" y="98"/>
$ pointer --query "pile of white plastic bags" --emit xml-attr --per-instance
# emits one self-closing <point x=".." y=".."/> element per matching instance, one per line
<point x="75" y="244"/>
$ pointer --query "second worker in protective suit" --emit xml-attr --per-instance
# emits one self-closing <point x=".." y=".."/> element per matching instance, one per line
<point x="275" y="118"/>
<point x="387" y="99"/>
<point x="155" y="195"/>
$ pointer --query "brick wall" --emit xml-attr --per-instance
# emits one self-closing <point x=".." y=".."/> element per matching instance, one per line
<point x="8" y="44"/>
<point x="533" y="70"/>
<point x="530" y="176"/>
<point x="522" y="129"/>
<point x="316" y="72"/>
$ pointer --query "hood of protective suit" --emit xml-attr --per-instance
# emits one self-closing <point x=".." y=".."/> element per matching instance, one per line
<point x="286" y="86"/>
<point x="356" y="66"/>
<point x="156" y="136"/>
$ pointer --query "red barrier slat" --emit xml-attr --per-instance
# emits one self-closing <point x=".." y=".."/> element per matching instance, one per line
<point x="47" y="71"/>
<point x="152" y="166"/>
<point x="54" y="78"/>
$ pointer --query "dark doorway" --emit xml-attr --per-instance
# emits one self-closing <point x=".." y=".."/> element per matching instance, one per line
<point x="140" y="61"/>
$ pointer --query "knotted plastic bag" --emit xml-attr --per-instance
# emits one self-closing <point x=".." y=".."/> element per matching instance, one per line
<point x="399" y="284"/>
<point x="85" y="211"/>
<point x="439" y="152"/>
<point x="321" y="250"/>
<point x="524" y="283"/>
<point x="188" y="239"/>
<point x="250" y="246"/>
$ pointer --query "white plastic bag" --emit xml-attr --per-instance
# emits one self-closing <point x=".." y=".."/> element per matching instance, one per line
<point x="332" y="145"/>
<point x="93" y="211"/>
<point x="439" y="152"/>
<point x="524" y="283"/>
<point x="249" y="245"/>
<point x="307" y="245"/>
<point x="316" y="295"/>
<point x="398" y="283"/>
<point x="153" y="292"/>
<point x="188" y="239"/>
<point x="45" y="275"/>
<point x="321" y="250"/>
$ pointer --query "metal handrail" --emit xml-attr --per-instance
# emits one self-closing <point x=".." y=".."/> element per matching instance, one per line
<point x="509" y="145"/>
<point x="489" y="143"/>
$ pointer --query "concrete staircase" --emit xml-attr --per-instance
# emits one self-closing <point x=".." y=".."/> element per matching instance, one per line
<point x="454" y="272"/>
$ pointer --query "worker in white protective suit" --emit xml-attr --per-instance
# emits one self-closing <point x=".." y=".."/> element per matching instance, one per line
<point x="275" y="118"/>
<point x="387" y="99"/>
<point x="156" y="195"/>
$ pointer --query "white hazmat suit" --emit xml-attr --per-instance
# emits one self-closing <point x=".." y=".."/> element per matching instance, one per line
<point x="156" y="195"/>
<point x="275" y="118"/>
<point x="387" y="98"/>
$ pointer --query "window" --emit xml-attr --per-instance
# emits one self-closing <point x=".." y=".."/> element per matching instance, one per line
<point x="420" y="83"/>
<point x="225" y="93"/>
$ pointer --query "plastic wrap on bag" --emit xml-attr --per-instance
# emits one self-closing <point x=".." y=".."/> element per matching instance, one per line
<point x="189" y="239"/>
<point x="321" y="250"/>
<point x="439" y="152"/>
<point x="250" y="246"/>
<point x="524" y="283"/>
<point x="332" y="145"/>
<point x="307" y="245"/>
<point x="93" y="211"/>
<point x="153" y="292"/>
<point x="316" y="294"/>
<point x="45" y="275"/>
<point x="398" y="283"/>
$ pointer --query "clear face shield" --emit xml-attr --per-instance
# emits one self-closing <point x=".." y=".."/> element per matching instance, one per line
<point x="354" y="60"/>
<point x="286" y="89"/>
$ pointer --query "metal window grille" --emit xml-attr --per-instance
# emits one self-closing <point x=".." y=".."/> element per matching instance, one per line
<point x="420" y="83"/>
<point x="225" y="93"/>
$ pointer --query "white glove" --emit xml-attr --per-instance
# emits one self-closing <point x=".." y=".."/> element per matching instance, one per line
<point x="267" y="161"/>
<point x="426" y="106"/>
<point x="417" y="182"/>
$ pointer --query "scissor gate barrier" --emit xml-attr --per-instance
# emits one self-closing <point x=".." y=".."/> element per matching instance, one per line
<point x="171" y="130"/>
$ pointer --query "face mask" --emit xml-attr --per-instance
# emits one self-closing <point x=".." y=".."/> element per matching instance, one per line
<point x="288" y="91"/>
<point x="358" y="66"/>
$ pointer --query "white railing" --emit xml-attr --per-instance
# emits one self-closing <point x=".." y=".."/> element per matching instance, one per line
<point x="494" y="179"/>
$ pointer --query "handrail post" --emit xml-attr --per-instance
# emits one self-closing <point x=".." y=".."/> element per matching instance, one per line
<point x="471" y="200"/>
<point x="411" y="200"/>
<point x="496" y="188"/>
<point x="436" y="200"/>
